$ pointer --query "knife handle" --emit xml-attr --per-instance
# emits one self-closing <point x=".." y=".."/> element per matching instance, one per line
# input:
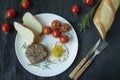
<point x="72" y="74"/>
<point x="79" y="73"/>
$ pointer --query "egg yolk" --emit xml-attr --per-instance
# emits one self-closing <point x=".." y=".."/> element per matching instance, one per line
<point x="58" y="51"/>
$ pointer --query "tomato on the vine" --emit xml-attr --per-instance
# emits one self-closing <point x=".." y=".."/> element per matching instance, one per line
<point x="88" y="2"/>
<point x="75" y="9"/>
<point x="6" y="27"/>
<point x="11" y="13"/>
<point x="47" y="30"/>
<point x="55" y="24"/>
<point x="56" y="33"/>
<point x="65" y="27"/>
<point x="64" y="39"/>
<point x="25" y="4"/>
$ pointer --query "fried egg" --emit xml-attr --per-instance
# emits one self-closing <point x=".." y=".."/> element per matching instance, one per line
<point x="59" y="53"/>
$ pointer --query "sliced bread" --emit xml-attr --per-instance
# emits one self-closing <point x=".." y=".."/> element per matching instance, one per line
<point x="30" y="21"/>
<point x="27" y="33"/>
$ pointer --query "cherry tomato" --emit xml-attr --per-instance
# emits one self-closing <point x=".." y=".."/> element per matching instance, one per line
<point x="25" y="4"/>
<point x="11" y="13"/>
<point x="55" y="24"/>
<point x="56" y="33"/>
<point x="88" y="2"/>
<point x="47" y="30"/>
<point x="65" y="27"/>
<point x="64" y="39"/>
<point x="75" y="9"/>
<point x="6" y="27"/>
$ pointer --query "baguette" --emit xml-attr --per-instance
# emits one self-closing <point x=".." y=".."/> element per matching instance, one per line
<point x="30" y="21"/>
<point x="104" y="16"/>
<point x="27" y="33"/>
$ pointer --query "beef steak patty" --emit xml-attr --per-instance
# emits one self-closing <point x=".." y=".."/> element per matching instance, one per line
<point x="36" y="53"/>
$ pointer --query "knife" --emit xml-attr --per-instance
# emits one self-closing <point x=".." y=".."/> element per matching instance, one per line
<point x="72" y="74"/>
<point x="100" y="48"/>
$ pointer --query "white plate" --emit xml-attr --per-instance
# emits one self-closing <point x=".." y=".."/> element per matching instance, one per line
<point x="48" y="40"/>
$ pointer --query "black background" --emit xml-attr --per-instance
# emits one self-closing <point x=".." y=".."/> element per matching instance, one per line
<point x="106" y="66"/>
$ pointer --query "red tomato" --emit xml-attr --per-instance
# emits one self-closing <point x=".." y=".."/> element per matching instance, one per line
<point x="11" y="13"/>
<point x="47" y="30"/>
<point x="55" y="24"/>
<point x="65" y="27"/>
<point x="6" y="27"/>
<point x="64" y="39"/>
<point x="25" y="4"/>
<point x="75" y="9"/>
<point x="56" y="33"/>
<point x="88" y="2"/>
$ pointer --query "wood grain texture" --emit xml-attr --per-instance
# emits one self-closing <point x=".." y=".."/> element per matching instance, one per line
<point x="101" y="69"/>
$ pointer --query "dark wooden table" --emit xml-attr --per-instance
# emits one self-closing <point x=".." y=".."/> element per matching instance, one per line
<point x="106" y="66"/>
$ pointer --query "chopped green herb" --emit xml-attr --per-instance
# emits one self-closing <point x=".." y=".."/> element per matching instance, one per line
<point x="34" y="55"/>
<point x="44" y="65"/>
<point x="24" y="46"/>
<point x="33" y="65"/>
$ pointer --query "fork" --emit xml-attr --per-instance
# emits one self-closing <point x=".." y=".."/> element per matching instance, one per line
<point x="102" y="46"/>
